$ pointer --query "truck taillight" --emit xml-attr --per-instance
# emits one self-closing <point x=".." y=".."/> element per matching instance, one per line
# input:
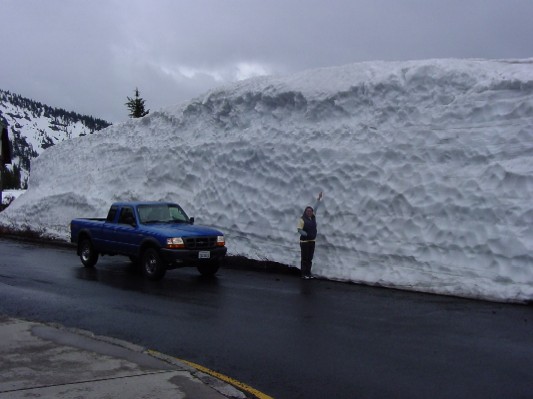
<point x="221" y="241"/>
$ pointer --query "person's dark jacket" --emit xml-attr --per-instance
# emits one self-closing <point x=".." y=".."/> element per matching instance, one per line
<point x="307" y="227"/>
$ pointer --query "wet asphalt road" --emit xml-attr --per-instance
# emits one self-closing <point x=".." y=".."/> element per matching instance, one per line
<point x="286" y="337"/>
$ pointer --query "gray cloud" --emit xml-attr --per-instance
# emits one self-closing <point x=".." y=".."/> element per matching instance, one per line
<point x="87" y="56"/>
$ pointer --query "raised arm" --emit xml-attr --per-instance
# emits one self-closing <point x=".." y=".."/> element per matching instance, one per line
<point x="318" y="202"/>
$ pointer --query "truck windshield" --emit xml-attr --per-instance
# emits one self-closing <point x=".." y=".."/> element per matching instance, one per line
<point x="163" y="213"/>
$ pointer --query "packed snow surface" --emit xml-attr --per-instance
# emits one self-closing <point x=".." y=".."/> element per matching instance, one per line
<point x="426" y="169"/>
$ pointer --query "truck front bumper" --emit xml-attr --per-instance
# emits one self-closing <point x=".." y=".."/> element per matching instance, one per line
<point x="191" y="256"/>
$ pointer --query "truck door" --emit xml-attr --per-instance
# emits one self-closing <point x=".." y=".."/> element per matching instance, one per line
<point x="127" y="235"/>
<point x="104" y="237"/>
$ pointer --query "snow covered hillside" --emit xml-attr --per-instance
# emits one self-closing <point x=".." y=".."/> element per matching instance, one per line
<point x="426" y="168"/>
<point x="34" y="127"/>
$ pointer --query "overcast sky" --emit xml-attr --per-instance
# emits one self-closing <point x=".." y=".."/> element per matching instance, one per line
<point x="88" y="56"/>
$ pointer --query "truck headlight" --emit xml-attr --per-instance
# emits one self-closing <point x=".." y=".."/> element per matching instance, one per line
<point x="176" y="242"/>
<point x="221" y="241"/>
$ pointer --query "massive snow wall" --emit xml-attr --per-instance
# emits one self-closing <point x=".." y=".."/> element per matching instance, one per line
<point x="426" y="168"/>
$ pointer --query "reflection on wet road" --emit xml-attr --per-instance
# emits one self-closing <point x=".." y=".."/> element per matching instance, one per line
<point x="287" y="337"/>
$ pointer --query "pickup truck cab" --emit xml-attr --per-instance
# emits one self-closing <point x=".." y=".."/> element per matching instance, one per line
<point x="158" y="234"/>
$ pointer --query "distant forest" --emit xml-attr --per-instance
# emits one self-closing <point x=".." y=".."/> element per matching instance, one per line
<point x="38" y="109"/>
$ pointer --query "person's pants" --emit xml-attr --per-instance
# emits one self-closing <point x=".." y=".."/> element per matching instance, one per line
<point x="308" y="250"/>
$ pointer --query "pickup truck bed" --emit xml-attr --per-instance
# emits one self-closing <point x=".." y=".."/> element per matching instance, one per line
<point x="158" y="235"/>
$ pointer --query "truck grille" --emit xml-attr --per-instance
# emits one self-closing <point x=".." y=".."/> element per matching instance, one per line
<point x="200" y="242"/>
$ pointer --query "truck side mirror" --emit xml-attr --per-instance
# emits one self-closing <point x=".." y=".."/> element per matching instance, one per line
<point x="191" y="220"/>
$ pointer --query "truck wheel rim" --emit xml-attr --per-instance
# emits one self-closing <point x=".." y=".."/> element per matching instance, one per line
<point x="85" y="253"/>
<point x="151" y="264"/>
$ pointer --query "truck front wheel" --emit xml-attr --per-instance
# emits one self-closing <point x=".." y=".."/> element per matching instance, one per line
<point x="88" y="255"/>
<point x="152" y="266"/>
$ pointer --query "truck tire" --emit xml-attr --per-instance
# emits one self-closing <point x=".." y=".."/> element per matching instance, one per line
<point x="88" y="255"/>
<point x="209" y="269"/>
<point x="152" y="266"/>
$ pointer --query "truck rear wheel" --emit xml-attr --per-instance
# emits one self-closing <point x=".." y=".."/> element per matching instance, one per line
<point x="88" y="255"/>
<point x="152" y="266"/>
<point x="209" y="268"/>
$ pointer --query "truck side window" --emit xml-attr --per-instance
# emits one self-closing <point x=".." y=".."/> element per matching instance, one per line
<point x="126" y="216"/>
<point x="111" y="214"/>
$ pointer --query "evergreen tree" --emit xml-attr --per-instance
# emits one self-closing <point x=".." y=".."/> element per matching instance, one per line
<point x="136" y="106"/>
<point x="11" y="179"/>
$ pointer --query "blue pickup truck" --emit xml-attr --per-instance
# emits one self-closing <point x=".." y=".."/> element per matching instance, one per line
<point x="158" y="235"/>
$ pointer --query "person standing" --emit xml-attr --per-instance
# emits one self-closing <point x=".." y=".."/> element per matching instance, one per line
<point x="307" y="227"/>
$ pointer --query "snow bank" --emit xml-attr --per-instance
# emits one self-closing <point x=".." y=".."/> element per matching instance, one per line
<point x="426" y="168"/>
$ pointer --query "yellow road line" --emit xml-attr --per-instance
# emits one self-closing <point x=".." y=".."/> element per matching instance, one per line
<point x="229" y="380"/>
